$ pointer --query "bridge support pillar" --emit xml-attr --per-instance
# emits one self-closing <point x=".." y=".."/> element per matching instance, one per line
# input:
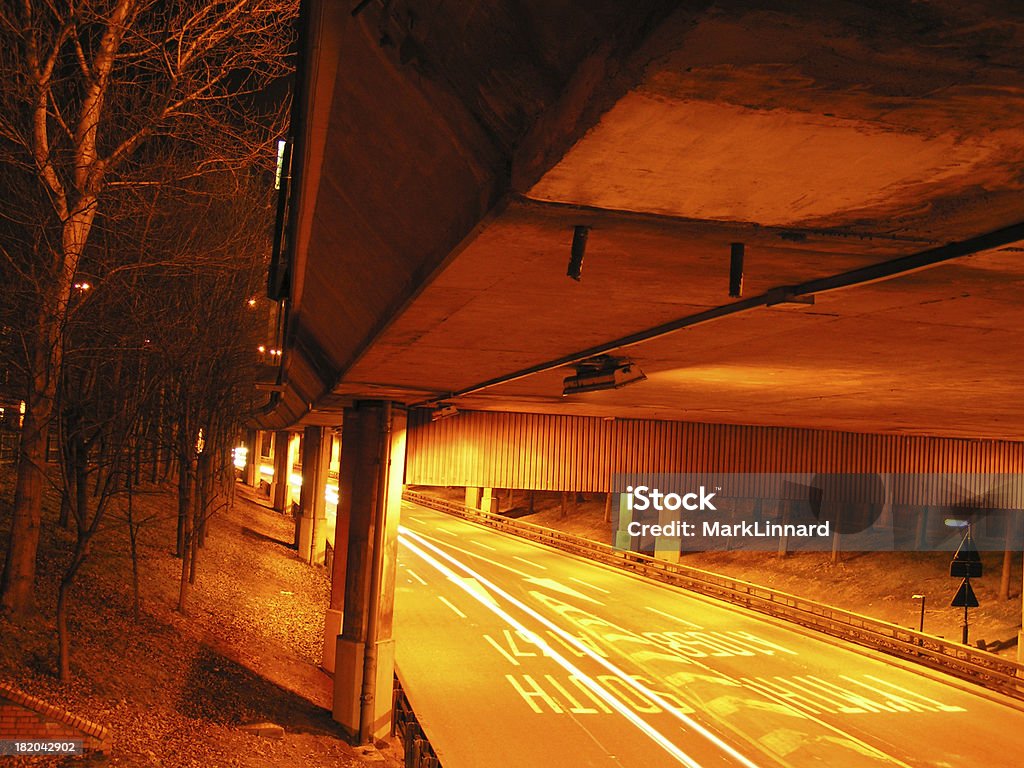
<point x="316" y="457"/>
<point x="372" y="469"/>
<point x="625" y="516"/>
<point x="251" y="467"/>
<point x="473" y="497"/>
<point x="489" y="502"/>
<point x="282" y="470"/>
<point x="335" y="613"/>
<point x="257" y="459"/>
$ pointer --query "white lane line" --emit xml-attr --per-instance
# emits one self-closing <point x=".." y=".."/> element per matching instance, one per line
<point x="478" y="556"/>
<point x="921" y="697"/>
<point x="588" y="584"/>
<point x="529" y="562"/>
<point x="416" y="576"/>
<point x="598" y="690"/>
<point x="445" y="530"/>
<point x="868" y="748"/>
<point x="739" y="758"/>
<point x="413" y="517"/>
<point x="556" y="586"/>
<point x="674" y="618"/>
<point x="482" y="545"/>
<point x="447" y="602"/>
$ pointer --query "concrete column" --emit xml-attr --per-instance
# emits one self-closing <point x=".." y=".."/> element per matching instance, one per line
<point x="250" y="458"/>
<point x="282" y="469"/>
<point x="473" y="496"/>
<point x="257" y="458"/>
<point x="332" y="621"/>
<point x="293" y="456"/>
<point x="622" y="538"/>
<point x="313" y="523"/>
<point x="372" y="469"/>
<point x="667" y="547"/>
<point x="489" y="502"/>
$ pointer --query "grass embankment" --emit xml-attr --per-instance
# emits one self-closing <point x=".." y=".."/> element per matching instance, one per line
<point x="174" y="688"/>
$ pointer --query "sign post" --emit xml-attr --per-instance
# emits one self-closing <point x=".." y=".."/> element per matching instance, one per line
<point x="966" y="564"/>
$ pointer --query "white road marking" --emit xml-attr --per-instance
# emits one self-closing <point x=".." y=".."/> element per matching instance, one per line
<point x="445" y="530"/>
<point x="809" y="715"/>
<point x="639" y="687"/>
<point x="502" y="651"/>
<point x="477" y="555"/>
<point x="416" y="576"/>
<point x="529" y="562"/>
<point x="588" y="584"/>
<point x="555" y="586"/>
<point x="674" y="618"/>
<point x="447" y="602"/>
<point x="413" y="517"/>
<point x="482" y="545"/>
<point x="599" y="690"/>
<point x="937" y="704"/>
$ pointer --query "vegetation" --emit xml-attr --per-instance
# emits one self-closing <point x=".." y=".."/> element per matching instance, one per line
<point x="137" y="147"/>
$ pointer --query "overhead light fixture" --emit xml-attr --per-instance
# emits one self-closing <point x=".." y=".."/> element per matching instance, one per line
<point x="444" y="412"/>
<point x="579" y="247"/>
<point x="736" y="270"/>
<point x="600" y="373"/>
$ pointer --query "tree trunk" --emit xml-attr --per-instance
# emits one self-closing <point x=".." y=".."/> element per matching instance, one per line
<point x="198" y="515"/>
<point x="63" y="638"/>
<point x="133" y="543"/>
<point x="186" y="564"/>
<point x="18" y="586"/>
<point x="17" y="590"/>
<point x="184" y="505"/>
<point x="63" y="607"/>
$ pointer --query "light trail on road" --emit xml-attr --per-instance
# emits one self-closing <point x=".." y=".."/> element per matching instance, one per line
<point x="598" y="690"/>
<point x="576" y="664"/>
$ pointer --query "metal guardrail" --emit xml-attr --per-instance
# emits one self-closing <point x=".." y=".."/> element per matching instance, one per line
<point x="415" y="744"/>
<point x="962" y="661"/>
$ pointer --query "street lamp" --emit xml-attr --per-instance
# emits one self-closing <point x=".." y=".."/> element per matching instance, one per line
<point x="920" y="626"/>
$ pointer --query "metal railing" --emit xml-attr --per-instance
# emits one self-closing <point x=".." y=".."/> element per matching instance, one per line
<point x="962" y="661"/>
<point x="415" y="744"/>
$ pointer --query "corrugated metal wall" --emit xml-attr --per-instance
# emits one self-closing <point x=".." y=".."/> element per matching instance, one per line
<point x="548" y="452"/>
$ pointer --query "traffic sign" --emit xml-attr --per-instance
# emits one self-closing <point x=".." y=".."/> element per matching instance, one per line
<point x="966" y="563"/>
<point x="964" y="597"/>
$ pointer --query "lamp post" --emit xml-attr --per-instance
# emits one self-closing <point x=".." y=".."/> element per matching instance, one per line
<point x="920" y="625"/>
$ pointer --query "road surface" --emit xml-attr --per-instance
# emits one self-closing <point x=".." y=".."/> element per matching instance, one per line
<point x="515" y="655"/>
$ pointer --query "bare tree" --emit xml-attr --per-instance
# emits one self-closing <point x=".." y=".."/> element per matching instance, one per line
<point x="92" y="91"/>
<point x="173" y="313"/>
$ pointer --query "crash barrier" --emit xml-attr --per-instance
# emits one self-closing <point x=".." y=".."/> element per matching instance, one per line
<point x="415" y="744"/>
<point x="963" y="661"/>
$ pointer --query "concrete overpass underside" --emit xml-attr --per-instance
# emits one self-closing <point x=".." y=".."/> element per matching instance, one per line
<point x="445" y="156"/>
<point x="861" y="161"/>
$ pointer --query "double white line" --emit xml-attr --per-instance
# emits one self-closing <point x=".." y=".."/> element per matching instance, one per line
<point x="418" y="545"/>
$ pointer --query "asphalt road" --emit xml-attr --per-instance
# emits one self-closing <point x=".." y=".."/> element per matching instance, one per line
<point x="513" y="654"/>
